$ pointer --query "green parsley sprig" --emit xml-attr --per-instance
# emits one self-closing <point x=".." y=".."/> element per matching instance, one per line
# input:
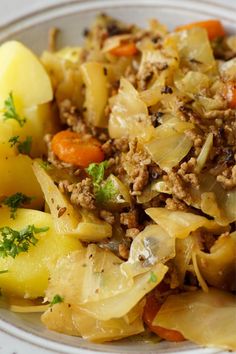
<point x="13" y="242"/>
<point x="15" y="201"/>
<point x="10" y="110"/>
<point x="57" y="299"/>
<point x="103" y="190"/>
<point x="24" y="146"/>
<point x="153" y="278"/>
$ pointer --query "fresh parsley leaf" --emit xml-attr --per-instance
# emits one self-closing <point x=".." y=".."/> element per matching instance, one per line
<point x="57" y="299"/>
<point x="13" y="242"/>
<point x="23" y="147"/>
<point x="15" y="201"/>
<point x="153" y="278"/>
<point x="97" y="171"/>
<point x="14" y="140"/>
<point x="3" y="271"/>
<point x="45" y="165"/>
<point x="10" y="111"/>
<point x="105" y="192"/>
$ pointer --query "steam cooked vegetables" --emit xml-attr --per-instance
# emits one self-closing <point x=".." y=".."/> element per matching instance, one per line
<point x="124" y="149"/>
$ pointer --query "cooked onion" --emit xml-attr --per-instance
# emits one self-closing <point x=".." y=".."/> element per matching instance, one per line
<point x="151" y="246"/>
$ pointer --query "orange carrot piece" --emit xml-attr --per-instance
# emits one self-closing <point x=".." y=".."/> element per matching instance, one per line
<point x="230" y="94"/>
<point x="125" y="50"/>
<point x="151" y="308"/>
<point x="214" y="28"/>
<point x="73" y="148"/>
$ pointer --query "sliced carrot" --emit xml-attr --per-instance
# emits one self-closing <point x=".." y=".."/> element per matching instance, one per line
<point x="73" y="148"/>
<point x="214" y="28"/>
<point x="151" y="308"/>
<point x="125" y="50"/>
<point x="230" y="94"/>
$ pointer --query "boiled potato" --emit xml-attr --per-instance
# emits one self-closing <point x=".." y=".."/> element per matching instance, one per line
<point x="96" y="93"/>
<point x="17" y="176"/>
<point x="22" y="74"/>
<point x="28" y="273"/>
<point x="39" y="121"/>
<point x="6" y="132"/>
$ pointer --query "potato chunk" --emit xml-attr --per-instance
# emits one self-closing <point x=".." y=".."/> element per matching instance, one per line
<point x="28" y="273"/>
<point x="23" y="74"/>
<point x="17" y="176"/>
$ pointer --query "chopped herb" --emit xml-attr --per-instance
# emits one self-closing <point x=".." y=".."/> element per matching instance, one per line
<point x="45" y="165"/>
<point x="106" y="192"/>
<point x="153" y="278"/>
<point x="15" y="201"/>
<point x="14" y="140"/>
<point x="10" y="111"/>
<point x="23" y="147"/>
<point x="3" y="271"/>
<point x="103" y="190"/>
<point x="167" y="90"/>
<point x="97" y="171"/>
<point x="14" y="242"/>
<point x="57" y="299"/>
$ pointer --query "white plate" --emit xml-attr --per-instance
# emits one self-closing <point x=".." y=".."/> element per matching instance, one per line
<point x="24" y="334"/>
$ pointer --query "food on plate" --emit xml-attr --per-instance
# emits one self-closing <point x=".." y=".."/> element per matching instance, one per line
<point x="118" y="183"/>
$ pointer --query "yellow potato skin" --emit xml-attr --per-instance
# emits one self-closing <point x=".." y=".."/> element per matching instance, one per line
<point x="28" y="273"/>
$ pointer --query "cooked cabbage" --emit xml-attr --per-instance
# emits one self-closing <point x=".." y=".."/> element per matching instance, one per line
<point x="151" y="246"/>
<point x="81" y="223"/>
<point x="179" y="224"/>
<point x="207" y="319"/>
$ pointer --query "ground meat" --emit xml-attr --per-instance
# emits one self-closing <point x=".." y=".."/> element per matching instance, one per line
<point x="70" y="115"/>
<point x="121" y="144"/>
<point x="107" y="216"/>
<point x="136" y="163"/>
<point x="177" y="185"/>
<point x="81" y="193"/>
<point x="113" y="147"/>
<point x="175" y="204"/>
<point x="132" y="233"/>
<point x="186" y="171"/>
<point x="228" y="178"/>
<point x="130" y="219"/>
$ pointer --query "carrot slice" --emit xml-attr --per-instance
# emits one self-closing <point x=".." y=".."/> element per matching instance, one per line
<point x="73" y="148"/>
<point x="125" y="50"/>
<point x="230" y="94"/>
<point x="214" y="28"/>
<point x="151" y="308"/>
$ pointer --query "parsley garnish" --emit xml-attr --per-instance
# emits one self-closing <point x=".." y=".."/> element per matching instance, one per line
<point x="106" y="192"/>
<point x="23" y="147"/>
<point x="45" y="165"/>
<point x="14" y="140"/>
<point x="3" y="271"/>
<point x="15" y="201"/>
<point x="10" y="111"/>
<point x="153" y="278"/>
<point x="97" y="171"/>
<point x="103" y="190"/>
<point x="57" y="299"/>
<point x="14" y="242"/>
